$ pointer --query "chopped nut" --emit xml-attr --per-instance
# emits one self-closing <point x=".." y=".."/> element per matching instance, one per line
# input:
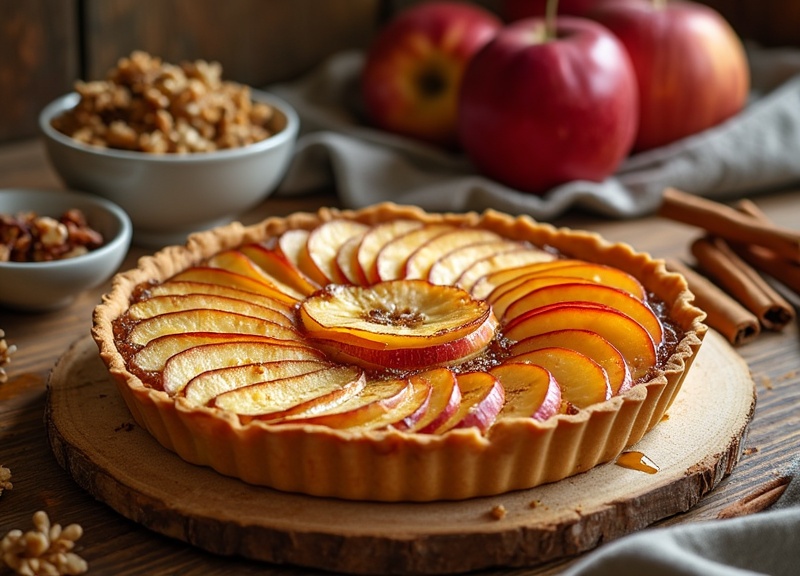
<point x="46" y="550"/>
<point x="5" y="357"/>
<point x="5" y="479"/>
<point x="152" y="106"/>
<point x="498" y="512"/>
<point x="27" y="237"/>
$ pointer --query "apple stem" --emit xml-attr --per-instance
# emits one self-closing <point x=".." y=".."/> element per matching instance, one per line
<point x="551" y="11"/>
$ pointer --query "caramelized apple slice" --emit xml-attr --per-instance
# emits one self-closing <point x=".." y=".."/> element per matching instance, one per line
<point x="347" y="262"/>
<point x="588" y="343"/>
<point x="158" y="305"/>
<point x="442" y="354"/>
<point x="293" y="245"/>
<point x="276" y="266"/>
<point x="482" y="399"/>
<point x="530" y="390"/>
<point x="154" y="355"/>
<point x="502" y="300"/>
<point x="583" y="381"/>
<point x="512" y="258"/>
<point x="204" y="387"/>
<point x="444" y="400"/>
<point x="324" y="242"/>
<point x="391" y="260"/>
<point x="184" y="366"/>
<point x="624" y="333"/>
<point x="208" y="321"/>
<point x="181" y="288"/>
<point x="450" y="266"/>
<point x="596" y="293"/>
<point x="300" y="394"/>
<point x="238" y="262"/>
<point x="231" y="279"/>
<point x="392" y="315"/>
<point x="500" y="281"/>
<point x="419" y="262"/>
<point x="378" y="399"/>
<point x="375" y="239"/>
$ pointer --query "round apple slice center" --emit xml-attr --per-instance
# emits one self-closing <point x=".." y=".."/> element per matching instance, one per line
<point x="396" y="316"/>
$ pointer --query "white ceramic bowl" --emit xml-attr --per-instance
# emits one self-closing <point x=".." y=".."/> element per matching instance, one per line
<point x="43" y="286"/>
<point x="167" y="196"/>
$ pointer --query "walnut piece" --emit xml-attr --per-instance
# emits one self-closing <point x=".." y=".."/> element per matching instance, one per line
<point x="5" y="357"/>
<point x="147" y="105"/>
<point x="5" y="479"/>
<point x="28" y="237"/>
<point x="44" y="551"/>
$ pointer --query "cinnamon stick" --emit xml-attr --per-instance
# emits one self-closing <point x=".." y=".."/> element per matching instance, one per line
<point x="784" y="271"/>
<point x="744" y="283"/>
<point x="728" y="223"/>
<point x="724" y="314"/>
<point x="763" y="497"/>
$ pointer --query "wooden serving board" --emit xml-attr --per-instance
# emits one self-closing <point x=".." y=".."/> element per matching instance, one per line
<point x="95" y="439"/>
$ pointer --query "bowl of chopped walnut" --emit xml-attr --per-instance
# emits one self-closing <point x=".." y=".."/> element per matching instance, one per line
<point x="176" y="146"/>
<point x="56" y="244"/>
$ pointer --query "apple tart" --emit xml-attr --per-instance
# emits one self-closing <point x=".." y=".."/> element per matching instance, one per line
<point x="396" y="355"/>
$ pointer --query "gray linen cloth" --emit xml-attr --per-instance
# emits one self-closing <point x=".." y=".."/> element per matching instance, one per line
<point x="757" y="150"/>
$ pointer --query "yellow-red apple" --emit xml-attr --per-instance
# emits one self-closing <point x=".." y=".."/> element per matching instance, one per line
<point x="412" y="74"/>
<point x="691" y="67"/>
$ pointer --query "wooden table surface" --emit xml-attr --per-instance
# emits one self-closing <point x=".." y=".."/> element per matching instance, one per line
<point x="113" y="545"/>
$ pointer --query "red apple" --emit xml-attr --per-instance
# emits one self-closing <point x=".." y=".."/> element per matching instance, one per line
<point x="691" y="66"/>
<point x="412" y="74"/>
<point x="538" y="109"/>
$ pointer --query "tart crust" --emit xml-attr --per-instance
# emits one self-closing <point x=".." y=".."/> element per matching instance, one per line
<point x="516" y="453"/>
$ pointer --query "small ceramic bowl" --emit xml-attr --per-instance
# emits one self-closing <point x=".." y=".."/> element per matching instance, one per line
<point x="168" y="196"/>
<point x="44" y="286"/>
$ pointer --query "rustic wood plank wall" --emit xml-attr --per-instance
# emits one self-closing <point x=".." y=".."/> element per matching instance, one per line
<point x="45" y="45"/>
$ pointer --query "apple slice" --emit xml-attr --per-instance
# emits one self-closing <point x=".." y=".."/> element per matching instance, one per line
<point x="183" y="366"/>
<point x="419" y="262"/>
<point x="531" y="391"/>
<point x="232" y="279"/>
<point x="588" y="343"/>
<point x="306" y="393"/>
<point x="501" y="300"/>
<point x="391" y="399"/>
<point x="482" y="399"/>
<point x="443" y="402"/>
<point x="392" y="315"/>
<point x="154" y="355"/>
<point x="376" y="238"/>
<point x="293" y="245"/>
<point x="208" y="321"/>
<point x="204" y="387"/>
<point x="442" y="354"/>
<point x="158" y="305"/>
<point x="324" y="242"/>
<point x="599" y="273"/>
<point x="511" y="258"/>
<point x="391" y="260"/>
<point x="596" y="293"/>
<point x="238" y="262"/>
<point x="276" y="266"/>
<point x="451" y="265"/>
<point x="181" y="288"/>
<point x="348" y="264"/>
<point x="583" y="381"/>
<point x="624" y="333"/>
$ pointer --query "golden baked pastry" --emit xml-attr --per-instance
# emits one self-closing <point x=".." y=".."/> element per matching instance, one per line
<point x="391" y="354"/>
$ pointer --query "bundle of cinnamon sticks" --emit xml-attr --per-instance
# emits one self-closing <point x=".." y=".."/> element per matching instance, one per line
<point x="739" y="245"/>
